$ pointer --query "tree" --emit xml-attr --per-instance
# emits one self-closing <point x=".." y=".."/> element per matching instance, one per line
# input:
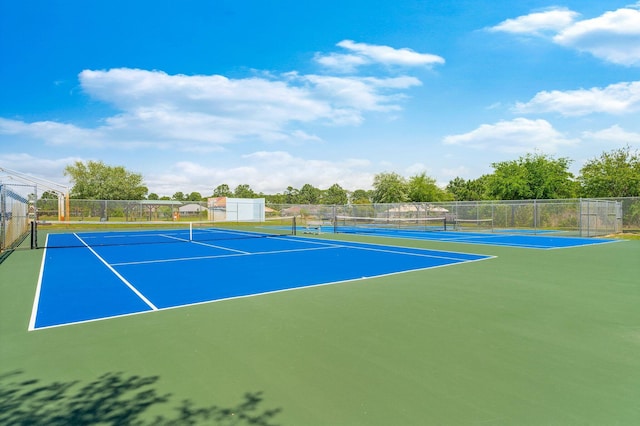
<point x="361" y="196"/>
<point x="422" y="188"/>
<point x="468" y="190"/>
<point x="194" y="196"/>
<point x="179" y="196"/>
<point x="309" y="194"/>
<point x="291" y="195"/>
<point x="97" y="181"/>
<point x="49" y="195"/>
<point x="389" y="188"/>
<point x="614" y="174"/>
<point x="534" y="176"/>
<point x="275" y="198"/>
<point x="153" y="196"/>
<point x="48" y="203"/>
<point x="222" y="190"/>
<point x="335" y="195"/>
<point x="244" y="191"/>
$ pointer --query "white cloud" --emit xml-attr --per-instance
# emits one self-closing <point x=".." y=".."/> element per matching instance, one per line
<point x="619" y="98"/>
<point x="203" y="113"/>
<point x="613" y="37"/>
<point x="460" y="171"/>
<point x="415" y="169"/>
<point x="300" y="135"/>
<point x="265" y="171"/>
<point x="368" y="54"/>
<point x="389" y="55"/>
<point x="356" y="95"/>
<point x="537" y="23"/>
<point x="52" y="132"/>
<point x="517" y="136"/>
<point x="341" y="62"/>
<point x="213" y="109"/>
<point x="43" y="168"/>
<point x="614" y="135"/>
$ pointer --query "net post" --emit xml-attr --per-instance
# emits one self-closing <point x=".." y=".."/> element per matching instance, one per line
<point x="293" y="225"/>
<point x="34" y="234"/>
<point x="190" y="231"/>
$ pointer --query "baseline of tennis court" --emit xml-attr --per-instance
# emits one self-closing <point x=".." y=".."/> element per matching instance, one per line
<point x="88" y="283"/>
<point x="543" y="242"/>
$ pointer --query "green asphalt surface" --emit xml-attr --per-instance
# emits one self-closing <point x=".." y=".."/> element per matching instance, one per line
<point x="531" y="337"/>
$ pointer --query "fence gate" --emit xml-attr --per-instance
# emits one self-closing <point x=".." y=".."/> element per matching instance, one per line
<point x="600" y="217"/>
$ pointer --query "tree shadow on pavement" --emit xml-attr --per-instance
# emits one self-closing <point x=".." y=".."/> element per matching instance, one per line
<point x="114" y="399"/>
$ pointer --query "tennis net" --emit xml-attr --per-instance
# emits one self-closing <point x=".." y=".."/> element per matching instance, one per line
<point x="377" y="225"/>
<point x="477" y="225"/>
<point x="92" y="234"/>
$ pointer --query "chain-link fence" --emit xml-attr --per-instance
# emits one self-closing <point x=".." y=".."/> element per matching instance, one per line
<point x="124" y="210"/>
<point x="576" y="217"/>
<point x="230" y="209"/>
<point x="630" y="213"/>
<point x="16" y="208"/>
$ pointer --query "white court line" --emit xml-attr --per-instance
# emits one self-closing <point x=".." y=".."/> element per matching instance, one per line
<point x="205" y="244"/>
<point x="218" y="256"/>
<point x="323" y="246"/>
<point x="36" y="301"/>
<point x="220" y="247"/>
<point x="117" y="274"/>
<point x="387" y="250"/>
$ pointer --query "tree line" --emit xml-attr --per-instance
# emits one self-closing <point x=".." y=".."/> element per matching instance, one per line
<point x="532" y="176"/>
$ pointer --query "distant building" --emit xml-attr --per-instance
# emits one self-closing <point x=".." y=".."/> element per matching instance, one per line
<point x="191" y="209"/>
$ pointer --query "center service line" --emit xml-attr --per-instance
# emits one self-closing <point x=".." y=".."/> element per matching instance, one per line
<point x="117" y="274"/>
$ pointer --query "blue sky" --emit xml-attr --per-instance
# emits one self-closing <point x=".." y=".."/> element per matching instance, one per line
<point x="193" y="94"/>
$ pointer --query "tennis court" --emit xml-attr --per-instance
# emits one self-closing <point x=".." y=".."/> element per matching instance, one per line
<point x="125" y="321"/>
<point x="435" y="229"/>
<point x="543" y="242"/>
<point x="87" y="276"/>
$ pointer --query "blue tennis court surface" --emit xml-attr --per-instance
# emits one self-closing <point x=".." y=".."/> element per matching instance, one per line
<point x="543" y="241"/>
<point x="92" y="282"/>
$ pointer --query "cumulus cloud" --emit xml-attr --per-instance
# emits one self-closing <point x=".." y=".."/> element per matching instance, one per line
<point x="53" y="132"/>
<point x="344" y="63"/>
<point x="614" y="135"/>
<point x="619" y="98"/>
<point x="360" y="94"/>
<point x="196" y="114"/>
<point x="43" y="168"/>
<point x="205" y="112"/>
<point x="209" y="109"/>
<point x="267" y="171"/>
<point x="538" y="23"/>
<point x="369" y="54"/>
<point x="517" y="136"/>
<point x="415" y="169"/>
<point x="613" y="36"/>
<point x="135" y="89"/>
